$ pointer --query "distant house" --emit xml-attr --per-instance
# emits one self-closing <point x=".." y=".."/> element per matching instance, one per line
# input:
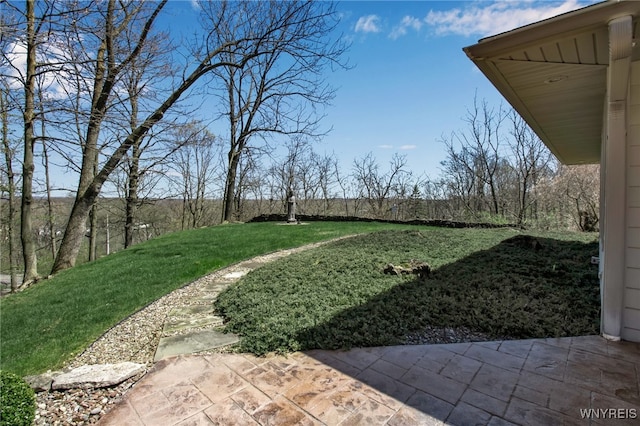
<point x="575" y="79"/>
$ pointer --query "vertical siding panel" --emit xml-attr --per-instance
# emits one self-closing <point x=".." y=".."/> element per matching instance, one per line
<point x="633" y="237"/>
<point x="631" y="315"/>
<point x="633" y="218"/>
<point x="631" y="334"/>
<point x="633" y="155"/>
<point x="632" y="278"/>
<point x="633" y="298"/>
<point x="633" y="259"/>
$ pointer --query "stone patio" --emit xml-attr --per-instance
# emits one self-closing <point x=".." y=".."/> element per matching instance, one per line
<point x="522" y="382"/>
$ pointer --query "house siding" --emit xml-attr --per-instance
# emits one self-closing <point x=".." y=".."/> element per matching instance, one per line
<point x="631" y="315"/>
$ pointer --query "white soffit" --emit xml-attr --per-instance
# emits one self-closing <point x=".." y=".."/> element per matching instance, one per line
<point x="563" y="104"/>
<point x="554" y="74"/>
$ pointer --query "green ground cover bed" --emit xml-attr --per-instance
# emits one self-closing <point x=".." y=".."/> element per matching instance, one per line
<point x="49" y="323"/>
<point x="497" y="282"/>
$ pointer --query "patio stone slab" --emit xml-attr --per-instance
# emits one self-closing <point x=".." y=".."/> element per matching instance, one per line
<point x="183" y="311"/>
<point x="397" y="385"/>
<point x="191" y="343"/>
<point x="196" y="321"/>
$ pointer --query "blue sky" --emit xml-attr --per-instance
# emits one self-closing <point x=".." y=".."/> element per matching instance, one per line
<point x="411" y="82"/>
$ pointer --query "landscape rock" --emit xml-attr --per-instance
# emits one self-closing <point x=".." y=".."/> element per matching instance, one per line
<point x="525" y="242"/>
<point x="42" y="382"/>
<point x="421" y="269"/>
<point x="97" y="376"/>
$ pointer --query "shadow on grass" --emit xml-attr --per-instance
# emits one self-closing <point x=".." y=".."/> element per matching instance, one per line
<point x="522" y="288"/>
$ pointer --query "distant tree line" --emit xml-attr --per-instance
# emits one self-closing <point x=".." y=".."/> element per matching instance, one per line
<point x="95" y="89"/>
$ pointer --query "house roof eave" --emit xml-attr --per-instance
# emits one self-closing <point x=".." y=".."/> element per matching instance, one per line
<point x="523" y="63"/>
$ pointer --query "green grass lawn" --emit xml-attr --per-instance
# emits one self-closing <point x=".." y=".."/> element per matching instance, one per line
<point x="336" y="296"/>
<point x="48" y="324"/>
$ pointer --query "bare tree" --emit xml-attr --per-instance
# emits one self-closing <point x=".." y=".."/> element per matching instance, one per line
<point x="277" y="92"/>
<point x="474" y="160"/>
<point x="580" y="186"/>
<point x="8" y="150"/>
<point x="31" y="41"/>
<point x="254" y="41"/>
<point x="193" y="162"/>
<point x="345" y="185"/>
<point x="325" y="166"/>
<point x="249" y="181"/>
<point x="139" y="84"/>
<point x="47" y="175"/>
<point x="286" y="170"/>
<point x="377" y="187"/>
<point x="437" y="198"/>
<point x="531" y="160"/>
<point x="460" y="179"/>
<point x="477" y="162"/>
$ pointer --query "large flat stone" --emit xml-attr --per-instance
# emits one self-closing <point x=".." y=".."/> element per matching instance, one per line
<point x="183" y="311"/>
<point x="190" y="343"/>
<point x="194" y="321"/>
<point x="42" y="382"/>
<point x="97" y="376"/>
<point x="216" y="286"/>
<point x="208" y="296"/>
<point x="236" y="274"/>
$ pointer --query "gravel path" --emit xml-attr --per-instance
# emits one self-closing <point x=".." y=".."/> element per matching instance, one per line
<point x="135" y="339"/>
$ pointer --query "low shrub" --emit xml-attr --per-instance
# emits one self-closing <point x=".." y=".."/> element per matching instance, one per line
<point x="17" y="401"/>
<point x="498" y="282"/>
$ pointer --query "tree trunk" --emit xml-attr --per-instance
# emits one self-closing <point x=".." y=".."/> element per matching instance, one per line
<point x="133" y="175"/>
<point x="26" y="227"/>
<point x="50" y="215"/>
<point x="74" y="234"/>
<point x="45" y="163"/>
<point x="230" y="185"/>
<point x="132" y="196"/>
<point x="93" y="219"/>
<point x="11" y="189"/>
<point x="93" y="232"/>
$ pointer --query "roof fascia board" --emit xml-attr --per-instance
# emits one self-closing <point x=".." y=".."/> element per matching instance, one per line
<point x="562" y="25"/>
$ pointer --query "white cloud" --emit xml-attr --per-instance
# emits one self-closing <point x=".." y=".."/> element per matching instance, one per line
<point x="368" y="24"/>
<point x="50" y="81"/>
<point x="486" y="19"/>
<point x="408" y="22"/>
<point x="401" y="148"/>
<point x="195" y="5"/>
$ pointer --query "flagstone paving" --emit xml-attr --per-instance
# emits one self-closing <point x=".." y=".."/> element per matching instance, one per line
<point x="519" y="382"/>
<point x="195" y="327"/>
